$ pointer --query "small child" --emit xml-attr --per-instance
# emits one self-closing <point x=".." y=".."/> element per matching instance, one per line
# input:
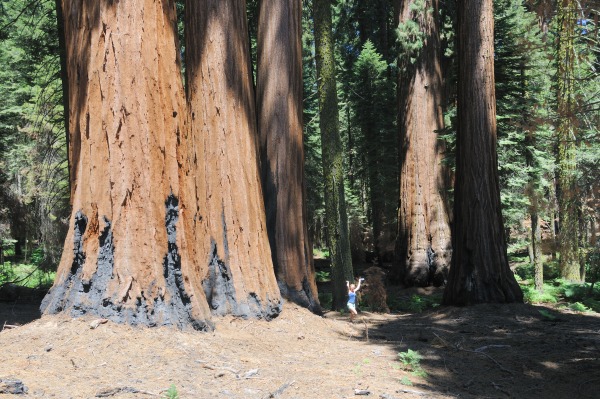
<point x="352" y="297"/>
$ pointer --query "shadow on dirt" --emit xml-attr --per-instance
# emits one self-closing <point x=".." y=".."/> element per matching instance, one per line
<point x="497" y="351"/>
<point x="19" y="305"/>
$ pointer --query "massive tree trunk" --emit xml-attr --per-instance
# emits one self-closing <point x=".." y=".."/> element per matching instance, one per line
<point x="121" y="255"/>
<point x="150" y="242"/>
<point x="423" y="246"/>
<point x="227" y="225"/>
<point x="332" y="153"/>
<point x="566" y="186"/>
<point x="279" y="103"/>
<point x="479" y="271"/>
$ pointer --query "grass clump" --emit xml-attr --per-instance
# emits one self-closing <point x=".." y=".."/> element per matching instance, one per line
<point x="171" y="393"/>
<point x="411" y="361"/>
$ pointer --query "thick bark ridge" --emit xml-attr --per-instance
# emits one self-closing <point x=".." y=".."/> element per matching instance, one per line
<point x="229" y="242"/>
<point x="424" y="242"/>
<point x="279" y="102"/>
<point x="148" y="234"/>
<point x="479" y="271"/>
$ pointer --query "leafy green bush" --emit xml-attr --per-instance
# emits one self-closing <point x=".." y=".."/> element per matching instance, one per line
<point x="7" y="272"/>
<point x="321" y="253"/>
<point x="579" y="307"/>
<point x="323" y="276"/>
<point x="531" y="295"/>
<point x="416" y="303"/>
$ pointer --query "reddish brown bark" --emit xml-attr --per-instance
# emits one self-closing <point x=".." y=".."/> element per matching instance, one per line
<point x="168" y="221"/>
<point x="230" y="242"/>
<point x="279" y="101"/>
<point x="120" y="259"/>
<point x="423" y="246"/>
<point x="479" y="271"/>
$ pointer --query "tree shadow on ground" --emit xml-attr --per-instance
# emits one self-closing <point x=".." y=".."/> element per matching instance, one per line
<point x="19" y="305"/>
<point x="496" y="351"/>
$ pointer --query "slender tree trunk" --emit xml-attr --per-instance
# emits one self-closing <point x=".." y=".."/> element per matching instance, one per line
<point x="479" y="271"/>
<point x="424" y="243"/>
<point x="566" y="190"/>
<point x="536" y="242"/>
<point x="335" y="203"/>
<point x="62" y="53"/>
<point x="227" y="226"/>
<point x="121" y="257"/>
<point x="279" y="103"/>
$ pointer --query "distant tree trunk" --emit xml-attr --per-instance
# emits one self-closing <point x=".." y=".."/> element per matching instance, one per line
<point x="566" y="186"/>
<point x="62" y="53"/>
<point x="227" y="225"/>
<point x="335" y="202"/>
<point x="536" y="244"/>
<point x="158" y="236"/>
<point x="423" y="241"/>
<point x="279" y="103"/>
<point x="121" y="256"/>
<point x="479" y="271"/>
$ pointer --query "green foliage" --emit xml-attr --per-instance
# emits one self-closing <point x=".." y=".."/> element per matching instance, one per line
<point x="531" y="295"/>
<point x="171" y="393"/>
<point x="547" y="315"/>
<point x="523" y="91"/>
<point x="579" y="307"/>
<point x="592" y="304"/>
<point x="411" y="361"/>
<point x="574" y="296"/>
<point x="323" y="276"/>
<point x="34" y="190"/>
<point x="414" y="304"/>
<point x="406" y="381"/>
<point x="321" y="253"/>
<point x="409" y="36"/>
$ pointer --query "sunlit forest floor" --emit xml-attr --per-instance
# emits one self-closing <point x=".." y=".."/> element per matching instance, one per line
<point x="484" y="351"/>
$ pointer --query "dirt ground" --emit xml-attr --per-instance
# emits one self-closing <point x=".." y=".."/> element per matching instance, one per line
<point x="484" y="351"/>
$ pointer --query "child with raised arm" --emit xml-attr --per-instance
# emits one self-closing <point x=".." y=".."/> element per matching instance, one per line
<point x="352" y="297"/>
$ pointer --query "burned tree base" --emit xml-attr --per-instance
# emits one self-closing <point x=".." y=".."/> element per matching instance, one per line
<point x="303" y="297"/>
<point x="109" y="296"/>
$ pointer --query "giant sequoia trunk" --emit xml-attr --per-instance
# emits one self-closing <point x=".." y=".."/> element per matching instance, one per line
<point x="331" y="144"/>
<point x="423" y="246"/>
<point x="227" y="225"/>
<point x="479" y="271"/>
<point x="279" y="101"/>
<point x="150" y="242"/>
<point x="121" y="255"/>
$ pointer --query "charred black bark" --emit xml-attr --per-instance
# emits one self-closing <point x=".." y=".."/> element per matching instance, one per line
<point x="81" y="297"/>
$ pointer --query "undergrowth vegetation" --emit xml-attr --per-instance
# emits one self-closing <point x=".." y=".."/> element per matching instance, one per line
<point x="25" y="271"/>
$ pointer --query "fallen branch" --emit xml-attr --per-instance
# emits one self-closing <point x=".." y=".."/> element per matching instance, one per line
<point x="405" y="390"/>
<point x="478" y="351"/>
<point x="115" y="391"/>
<point x="279" y="390"/>
<point x="208" y="366"/>
<point x="499" y="388"/>
<point x="483" y="348"/>
<point x="230" y="369"/>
